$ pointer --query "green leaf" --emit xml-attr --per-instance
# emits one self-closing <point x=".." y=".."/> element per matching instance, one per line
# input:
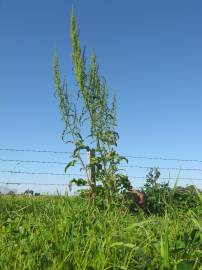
<point x="81" y="147"/>
<point x="79" y="182"/>
<point x="70" y="164"/>
<point x="180" y="244"/>
<point x="165" y="250"/>
<point x="185" y="266"/>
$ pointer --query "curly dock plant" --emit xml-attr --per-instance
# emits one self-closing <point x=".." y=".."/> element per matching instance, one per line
<point x="89" y="115"/>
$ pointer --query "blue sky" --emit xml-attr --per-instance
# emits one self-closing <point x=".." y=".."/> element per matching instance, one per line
<point x="150" y="53"/>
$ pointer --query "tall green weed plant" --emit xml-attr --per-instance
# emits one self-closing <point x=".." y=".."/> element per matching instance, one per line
<point x="89" y="115"/>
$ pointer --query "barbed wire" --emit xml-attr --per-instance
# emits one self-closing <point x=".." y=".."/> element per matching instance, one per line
<point x="59" y="184"/>
<point x="39" y="184"/>
<point x="33" y="161"/>
<point x="35" y="151"/>
<point x="167" y="178"/>
<point x="165" y="159"/>
<point x="162" y="168"/>
<point x="128" y="156"/>
<point x="42" y="173"/>
<point x="83" y="175"/>
<point x="122" y="166"/>
<point x="32" y="183"/>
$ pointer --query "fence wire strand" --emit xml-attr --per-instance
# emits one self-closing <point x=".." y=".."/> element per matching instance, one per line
<point x="19" y="161"/>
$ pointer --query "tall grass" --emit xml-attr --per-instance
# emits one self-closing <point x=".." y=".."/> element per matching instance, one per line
<point x="69" y="233"/>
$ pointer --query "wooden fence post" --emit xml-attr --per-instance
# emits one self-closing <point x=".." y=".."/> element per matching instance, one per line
<point x="91" y="169"/>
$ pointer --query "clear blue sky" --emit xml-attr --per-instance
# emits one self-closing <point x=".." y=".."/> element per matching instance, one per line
<point x="149" y="51"/>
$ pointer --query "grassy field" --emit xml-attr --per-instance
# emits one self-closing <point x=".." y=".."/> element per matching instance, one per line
<point x="68" y="233"/>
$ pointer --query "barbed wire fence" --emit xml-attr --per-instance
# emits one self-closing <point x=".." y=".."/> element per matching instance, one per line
<point x="133" y="168"/>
